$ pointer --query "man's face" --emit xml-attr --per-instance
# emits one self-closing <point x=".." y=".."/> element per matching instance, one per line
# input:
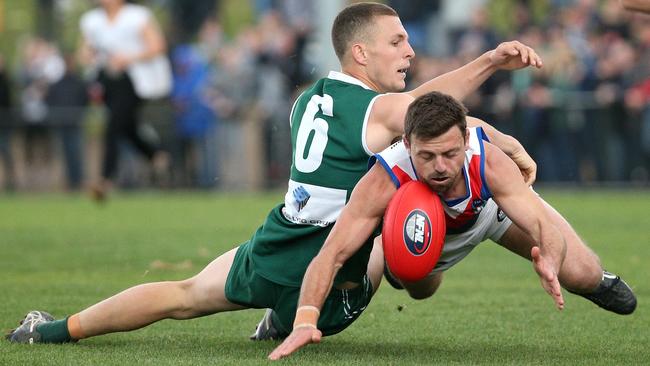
<point x="439" y="161"/>
<point x="389" y="54"/>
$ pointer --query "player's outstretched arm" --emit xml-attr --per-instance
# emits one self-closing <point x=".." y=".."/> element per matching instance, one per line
<point x="527" y="211"/>
<point x="511" y="146"/>
<point x="354" y="226"/>
<point x="387" y="123"/>
<point x="636" y="5"/>
<point x="465" y="80"/>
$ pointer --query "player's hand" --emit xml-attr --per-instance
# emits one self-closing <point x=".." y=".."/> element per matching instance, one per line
<point x="514" y="55"/>
<point x="547" y="276"/>
<point x="298" y="338"/>
<point x="526" y="165"/>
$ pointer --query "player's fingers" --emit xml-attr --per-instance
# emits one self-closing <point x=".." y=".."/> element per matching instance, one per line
<point x="283" y="351"/>
<point x="535" y="59"/>
<point x="531" y="176"/>
<point x="316" y="336"/>
<point x="286" y="348"/>
<point x="559" y="299"/>
<point x="553" y="289"/>
<point x="277" y="353"/>
<point x="524" y="53"/>
<point x="529" y="179"/>
<point x="507" y="49"/>
<point x="510" y="50"/>
<point x="294" y="342"/>
<point x="535" y="253"/>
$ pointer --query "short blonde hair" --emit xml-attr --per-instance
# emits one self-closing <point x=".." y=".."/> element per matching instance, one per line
<point x="352" y="23"/>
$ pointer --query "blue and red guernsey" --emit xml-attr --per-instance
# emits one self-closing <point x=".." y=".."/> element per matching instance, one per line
<point x="460" y="213"/>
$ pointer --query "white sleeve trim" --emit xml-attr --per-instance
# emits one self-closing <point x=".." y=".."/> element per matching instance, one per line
<point x="364" y="129"/>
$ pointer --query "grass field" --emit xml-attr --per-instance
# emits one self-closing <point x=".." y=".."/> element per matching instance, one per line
<point x="62" y="253"/>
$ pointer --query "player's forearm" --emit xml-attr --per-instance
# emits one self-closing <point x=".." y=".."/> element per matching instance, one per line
<point x="640" y="5"/>
<point x="505" y="143"/>
<point x="461" y="82"/>
<point x="349" y="233"/>
<point x="345" y="239"/>
<point x="316" y="286"/>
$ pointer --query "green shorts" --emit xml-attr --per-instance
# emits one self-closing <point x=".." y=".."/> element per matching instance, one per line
<point x="246" y="287"/>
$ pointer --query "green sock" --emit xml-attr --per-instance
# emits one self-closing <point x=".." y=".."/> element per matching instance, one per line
<point x="55" y="331"/>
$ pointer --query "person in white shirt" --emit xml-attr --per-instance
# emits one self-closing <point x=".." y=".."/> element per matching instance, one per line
<point x="124" y="46"/>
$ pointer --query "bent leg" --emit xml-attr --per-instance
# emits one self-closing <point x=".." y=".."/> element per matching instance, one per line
<point x="418" y="290"/>
<point x="144" y="304"/>
<point x="581" y="270"/>
<point x="425" y="287"/>
<point x="376" y="264"/>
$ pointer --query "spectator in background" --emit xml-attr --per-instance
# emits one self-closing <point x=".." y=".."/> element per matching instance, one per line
<point x="6" y="124"/>
<point x="67" y="100"/>
<point x="41" y="65"/>
<point x="417" y="16"/>
<point x="294" y="20"/>
<point x="125" y="45"/>
<point x="233" y="94"/>
<point x="637" y="98"/>
<point x="279" y="75"/>
<point x="196" y="122"/>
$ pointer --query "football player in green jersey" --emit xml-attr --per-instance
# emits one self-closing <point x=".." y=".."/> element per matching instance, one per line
<point x="336" y="125"/>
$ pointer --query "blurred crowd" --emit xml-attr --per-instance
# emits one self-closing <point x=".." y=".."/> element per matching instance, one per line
<point x="585" y="117"/>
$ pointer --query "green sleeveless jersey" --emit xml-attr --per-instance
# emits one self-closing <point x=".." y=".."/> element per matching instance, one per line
<point x="328" y="128"/>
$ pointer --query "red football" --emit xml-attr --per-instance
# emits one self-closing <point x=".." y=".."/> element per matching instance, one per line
<point x="414" y="231"/>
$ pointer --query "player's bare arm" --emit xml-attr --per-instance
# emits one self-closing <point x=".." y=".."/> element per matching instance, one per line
<point x="386" y="122"/>
<point x="511" y="147"/>
<point x="357" y="221"/>
<point x="527" y="211"/>
<point x="636" y="5"/>
<point x="465" y="80"/>
<point x="391" y="108"/>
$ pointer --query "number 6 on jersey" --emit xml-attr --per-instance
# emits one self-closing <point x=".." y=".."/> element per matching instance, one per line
<point x="313" y="149"/>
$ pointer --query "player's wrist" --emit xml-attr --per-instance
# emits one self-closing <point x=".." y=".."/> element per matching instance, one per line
<point x="488" y="61"/>
<point x="306" y="317"/>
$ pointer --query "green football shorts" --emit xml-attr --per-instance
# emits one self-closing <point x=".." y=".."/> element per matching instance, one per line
<point x="246" y="287"/>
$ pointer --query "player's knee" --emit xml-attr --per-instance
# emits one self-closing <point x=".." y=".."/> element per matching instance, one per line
<point x="425" y="288"/>
<point x="581" y="277"/>
<point x="186" y="300"/>
<point x="421" y="293"/>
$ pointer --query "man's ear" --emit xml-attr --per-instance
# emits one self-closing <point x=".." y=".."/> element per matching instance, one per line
<point x="359" y="53"/>
<point x="466" y="138"/>
<point x="406" y="142"/>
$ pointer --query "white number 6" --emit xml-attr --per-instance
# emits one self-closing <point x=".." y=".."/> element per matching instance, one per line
<point x="309" y="162"/>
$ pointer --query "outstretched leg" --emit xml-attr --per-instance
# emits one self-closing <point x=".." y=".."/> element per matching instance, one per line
<point x="140" y="306"/>
<point x="581" y="272"/>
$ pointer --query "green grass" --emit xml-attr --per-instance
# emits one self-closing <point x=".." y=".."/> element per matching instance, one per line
<point x="62" y="253"/>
